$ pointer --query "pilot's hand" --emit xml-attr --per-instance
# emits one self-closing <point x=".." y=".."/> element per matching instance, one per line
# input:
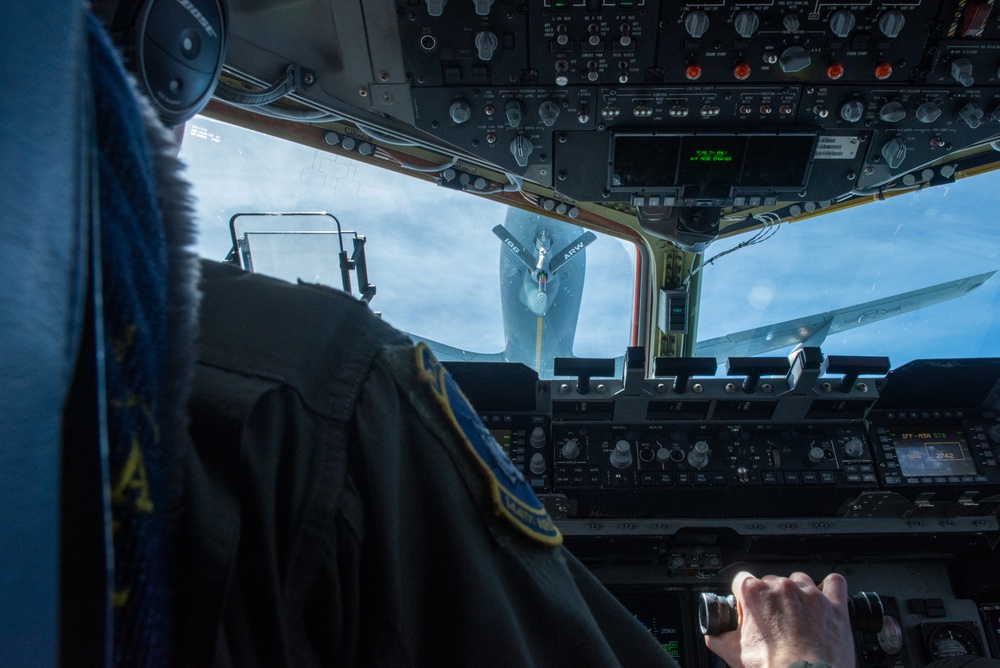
<point x="784" y="620"/>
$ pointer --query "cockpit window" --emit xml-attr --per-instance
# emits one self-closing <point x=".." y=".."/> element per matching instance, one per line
<point x="907" y="278"/>
<point x="481" y="279"/>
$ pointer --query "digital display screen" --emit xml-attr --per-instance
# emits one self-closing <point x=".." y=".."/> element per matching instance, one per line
<point x="503" y="437"/>
<point x="712" y="163"/>
<point x="661" y="615"/>
<point x="645" y="161"/>
<point x="784" y="165"/>
<point x="711" y="160"/>
<point x="933" y="452"/>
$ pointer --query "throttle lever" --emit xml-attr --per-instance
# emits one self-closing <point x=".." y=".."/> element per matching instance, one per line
<point x="717" y="614"/>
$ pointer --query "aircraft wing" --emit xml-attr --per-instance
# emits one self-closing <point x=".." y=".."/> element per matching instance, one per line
<point x="813" y="329"/>
<point x="445" y="353"/>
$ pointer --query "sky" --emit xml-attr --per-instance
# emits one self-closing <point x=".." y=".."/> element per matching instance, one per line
<point x="434" y="259"/>
<point x="430" y="250"/>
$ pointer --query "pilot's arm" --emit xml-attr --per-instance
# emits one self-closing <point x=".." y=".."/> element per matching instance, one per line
<point x="785" y="621"/>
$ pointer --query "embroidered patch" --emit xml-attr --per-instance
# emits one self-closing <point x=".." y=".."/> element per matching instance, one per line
<point x="512" y="496"/>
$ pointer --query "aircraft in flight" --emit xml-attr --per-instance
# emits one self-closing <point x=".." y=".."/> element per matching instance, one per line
<point x="542" y="275"/>
<point x="542" y="272"/>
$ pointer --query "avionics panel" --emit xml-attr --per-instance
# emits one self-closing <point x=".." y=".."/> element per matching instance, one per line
<point x="653" y="162"/>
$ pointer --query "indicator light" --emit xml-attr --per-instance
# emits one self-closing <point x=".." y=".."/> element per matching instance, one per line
<point x="741" y="71"/>
<point x="693" y="71"/>
<point x="883" y="71"/>
<point x="835" y="70"/>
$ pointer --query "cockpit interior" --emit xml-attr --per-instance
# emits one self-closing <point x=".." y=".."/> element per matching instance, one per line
<point x="718" y="276"/>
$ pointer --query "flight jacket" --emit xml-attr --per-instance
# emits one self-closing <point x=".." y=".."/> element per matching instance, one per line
<point x="345" y="506"/>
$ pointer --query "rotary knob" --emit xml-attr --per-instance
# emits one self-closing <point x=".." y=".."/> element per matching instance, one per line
<point x="662" y="455"/>
<point x="790" y="22"/>
<point x="537" y="438"/>
<point x="816" y="454"/>
<point x="794" y="59"/>
<point x="852" y="111"/>
<point x="742" y="474"/>
<point x="892" y="112"/>
<point x="460" y="112"/>
<point x="570" y="449"/>
<point x="521" y="148"/>
<point x="698" y="457"/>
<point x="842" y="23"/>
<point x="537" y="463"/>
<point x="486" y="44"/>
<point x="621" y="456"/>
<point x="961" y="71"/>
<point x="891" y="23"/>
<point x="696" y="23"/>
<point x="514" y="111"/>
<point x="746" y="24"/>
<point x="854" y="448"/>
<point x="972" y="115"/>
<point x="894" y="152"/>
<point x="928" y="112"/>
<point x="548" y="112"/>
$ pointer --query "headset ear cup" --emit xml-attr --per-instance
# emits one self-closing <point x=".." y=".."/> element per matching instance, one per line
<point x="175" y="49"/>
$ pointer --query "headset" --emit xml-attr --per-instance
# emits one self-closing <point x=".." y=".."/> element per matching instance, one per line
<point x="175" y="49"/>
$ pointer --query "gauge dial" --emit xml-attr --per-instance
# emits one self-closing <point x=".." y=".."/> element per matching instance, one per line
<point x="953" y="640"/>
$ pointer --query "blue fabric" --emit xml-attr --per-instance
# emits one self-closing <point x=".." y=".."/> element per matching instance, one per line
<point x="43" y="273"/>
<point x="135" y="292"/>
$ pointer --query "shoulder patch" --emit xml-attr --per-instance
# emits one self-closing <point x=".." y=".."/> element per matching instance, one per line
<point x="512" y="496"/>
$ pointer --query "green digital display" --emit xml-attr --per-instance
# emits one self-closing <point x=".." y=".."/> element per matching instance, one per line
<point x="711" y="155"/>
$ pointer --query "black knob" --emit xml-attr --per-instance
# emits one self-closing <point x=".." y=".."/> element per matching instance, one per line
<point x="717" y="614"/>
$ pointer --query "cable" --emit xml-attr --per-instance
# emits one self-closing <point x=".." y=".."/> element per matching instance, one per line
<point x="397" y="140"/>
<point x="283" y="114"/>
<point x="427" y="169"/>
<point x="772" y="223"/>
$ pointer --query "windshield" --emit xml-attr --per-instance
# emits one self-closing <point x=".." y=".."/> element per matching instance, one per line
<point x="906" y="243"/>
<point x="432" y="252"/>
<point x="436" y="261"/>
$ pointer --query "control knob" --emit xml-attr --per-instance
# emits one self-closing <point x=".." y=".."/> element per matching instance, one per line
<point x="816" y="454"/>
<point x="521" y="148"/>
<point x="662" y="455"/>
<point x="972" y="115"/>
<point x="746" y="24"/>
<point x="698" y="457"/>
<point x="514" y="112"/>
<point x="570" y="449"/>
<point x="891" y="23"/>
<point x="537" y="463"/>
<point x="961" y="71"/>
<point x="892" y="112"/>
<point x="842" y="23"/>
<point x="696" y="23"/>
<point x="548" y="111"/>
<point x="486" y="44"/>
<point x="854" y="447"/>
<point x="928" y="112"/>
<point x="794" y="59"/>
<point x="790" y="22"/>
<point x="742" y="474"/>
<point x="460" y="112"/>
<point x="621" y="456"/>
<point x="894" y="152"/>
<point x="537" y="438"/>
<point x="852" y="111"/>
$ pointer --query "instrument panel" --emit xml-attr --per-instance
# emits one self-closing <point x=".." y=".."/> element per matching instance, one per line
<point x="668" y="486"/>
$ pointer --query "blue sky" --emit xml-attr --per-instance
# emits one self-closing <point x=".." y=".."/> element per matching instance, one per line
<point x="869" y="252"/>
<point x="431" y="250"/>
<point x="434" y="258"/>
